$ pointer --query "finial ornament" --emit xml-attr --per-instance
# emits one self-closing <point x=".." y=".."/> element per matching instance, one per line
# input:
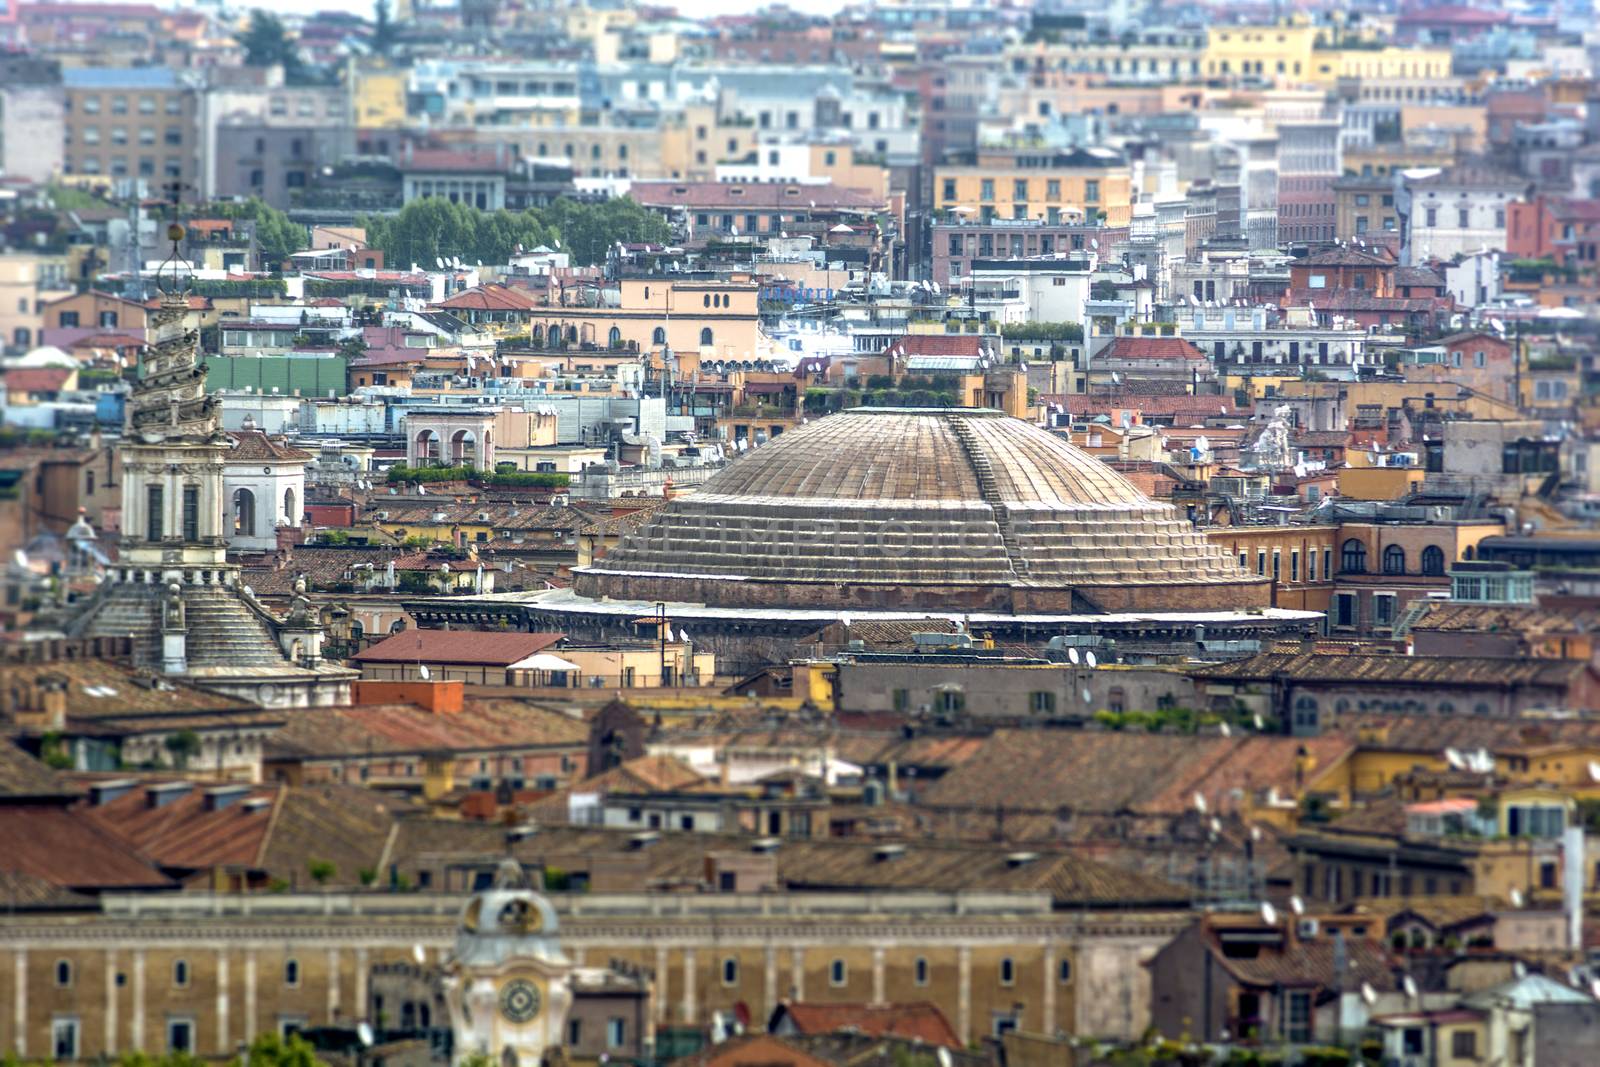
<point x="173" y="277"/>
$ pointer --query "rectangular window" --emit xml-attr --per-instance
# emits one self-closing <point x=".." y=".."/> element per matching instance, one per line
<point x="191" y="513"/>
<point x="1261" y="562"/>
<point x="1294" y="565"/>
<point x="64" y="1039"/>
<point x="1298" y="1030"/>
<point x="1091" y="192"/>
<point x="1464" y="1044"/>
<point x="67" y="319"/>
<point x="986" y="189"/>
<point x="1327" y="564"/>
<point x="1052" y="189"/>
<point x="1383" y="609"/>
<point x="153" y="507"/>
<point x="1019" y="189"/>
<point x="1277" y="565"/>
<point x="180" y="1035"/>
<point x="1345" y="613"/>
<point x="616" y="1031"/>
<point x="949" y="188"/>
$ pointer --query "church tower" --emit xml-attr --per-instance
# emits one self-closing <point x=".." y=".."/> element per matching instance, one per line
<point x="507" y="983"/>
<point x="172" y="457"/>
<point x="172" y="590"/>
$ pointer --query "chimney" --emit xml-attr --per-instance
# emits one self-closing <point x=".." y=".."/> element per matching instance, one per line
<point x="439" y="696"/>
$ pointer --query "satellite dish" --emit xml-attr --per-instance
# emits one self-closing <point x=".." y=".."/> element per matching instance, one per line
<point x="1519" y="969"/>
<point x="1075" y="659"/>
<point x="424" y="672"/>
<point x="1269" y="914"/>
<point x="1369" y="994"/>
<point x="1088" y="697"/>
<point x="1297" y="905"/>
<point x="1516" y="897"/>
<point x="1594" y="988"/>
<point x="438" y="261"/>
<point x="1594" y="771"/>
<point x="1225" y="729"/>
<point x="1452" y="757"/>
<point x="942" y="1054"/>
<point x="1410" y="985"/>
<point x="1091" y="660"/>
<point x="1255" y="833"/>
<point x="364" y="1032"/>
<point x="419" y="953"/>
<point x="1216" y="825"/>
<point x="1260" y="725"/>
<point x="1199" y="802"/>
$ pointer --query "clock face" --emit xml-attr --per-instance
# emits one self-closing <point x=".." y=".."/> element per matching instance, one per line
<point x="519" y="1000"/>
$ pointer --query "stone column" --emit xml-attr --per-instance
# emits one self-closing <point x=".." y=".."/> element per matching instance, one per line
<point x="136" y="1034"/>
<point x="1048" y="997"/>
<point x="877" y="974"/>
<point x="964" y="994"/>
<point x="19" y="961"/>
<point x="111" y="1001"/>
<point x="770" y="983"/>
<point x="333" y="986"/>
<point x="249" y="995"/>
<point x="688" y="985"/>
<point x="222" y="1002"/>
<point x="361" y="984"/>
<point x="663" y="983"/>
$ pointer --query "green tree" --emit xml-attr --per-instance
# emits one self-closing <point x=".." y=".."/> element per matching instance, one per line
<point x="321" y="871"/>
<point x="182" y="747"/>
<point x="266" y="43"/>
<point x="270" y="1050"/>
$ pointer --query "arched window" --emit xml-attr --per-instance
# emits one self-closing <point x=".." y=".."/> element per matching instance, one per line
<point x="838" y="974"/>
<point x="288" y="508"/>
<point x="291" y="972"/>
<point x="614" y="338"/>
<point x="244" y="512"/>
<point x="572" y="335"/>
<point x="1008" y="971"/>
<point x="1353" y="557"/>
<point x="919" y="971"/>
<point x="659" y="337"/>
<point x="1433" y="560"/>
<point x="1480" y="709"/>
<point x="538" y="336"/>
<point x="1305" y="714"/>
<point x="180" y="973"/>
<point x="1394" y="560"/>
<point x="705" y="337"/>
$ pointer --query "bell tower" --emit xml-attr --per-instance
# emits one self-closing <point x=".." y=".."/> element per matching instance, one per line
<point x="507" y="983"/>
<point x="173" y="448"/>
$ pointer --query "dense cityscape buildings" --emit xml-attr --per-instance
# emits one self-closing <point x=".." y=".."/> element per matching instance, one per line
<point x="937" y="533"/>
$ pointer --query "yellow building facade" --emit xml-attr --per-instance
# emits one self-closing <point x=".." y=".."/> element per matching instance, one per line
<point x="1002" y="189"/>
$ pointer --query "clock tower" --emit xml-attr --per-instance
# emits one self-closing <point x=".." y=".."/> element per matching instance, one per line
<point x="507" y="983"/>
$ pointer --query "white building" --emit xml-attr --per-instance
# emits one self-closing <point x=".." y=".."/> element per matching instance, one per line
<point x="1030" y="290"/>
<point x="1455" y="211"/>
<point x="264" y="487"/>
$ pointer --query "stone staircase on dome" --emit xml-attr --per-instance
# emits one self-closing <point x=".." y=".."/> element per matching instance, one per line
<point x="225" y="632"/>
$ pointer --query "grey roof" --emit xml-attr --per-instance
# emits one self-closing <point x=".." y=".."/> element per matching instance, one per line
<point x="1526" y="992"/>
<point x="120" y="78"/>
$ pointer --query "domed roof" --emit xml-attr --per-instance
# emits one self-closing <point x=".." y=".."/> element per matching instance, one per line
<point x="952" y="509"/>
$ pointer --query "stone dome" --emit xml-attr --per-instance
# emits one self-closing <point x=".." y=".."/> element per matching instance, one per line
<point x="947" y="509"/>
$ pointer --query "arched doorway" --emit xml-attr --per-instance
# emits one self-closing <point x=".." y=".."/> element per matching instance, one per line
<point x="427" y="449"/>
<point x="244" y="513"/>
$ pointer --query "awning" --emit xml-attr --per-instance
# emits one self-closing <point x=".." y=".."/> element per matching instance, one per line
<point x="543" y="661"/>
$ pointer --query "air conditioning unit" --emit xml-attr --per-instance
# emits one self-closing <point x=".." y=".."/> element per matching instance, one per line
<point x="1307" y="929"/>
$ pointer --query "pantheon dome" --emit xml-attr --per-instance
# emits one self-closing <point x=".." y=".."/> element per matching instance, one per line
<point x="922" y="509"/>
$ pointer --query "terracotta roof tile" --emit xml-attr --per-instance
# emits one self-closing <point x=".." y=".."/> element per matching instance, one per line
<point x="56" y="844"/>
<point x="256" y="445"/>
<point x="921" y="1020"/>
<point x="481" y="725"/>
<point x="478" y="648"/>
<point x="1126" y="347"/>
